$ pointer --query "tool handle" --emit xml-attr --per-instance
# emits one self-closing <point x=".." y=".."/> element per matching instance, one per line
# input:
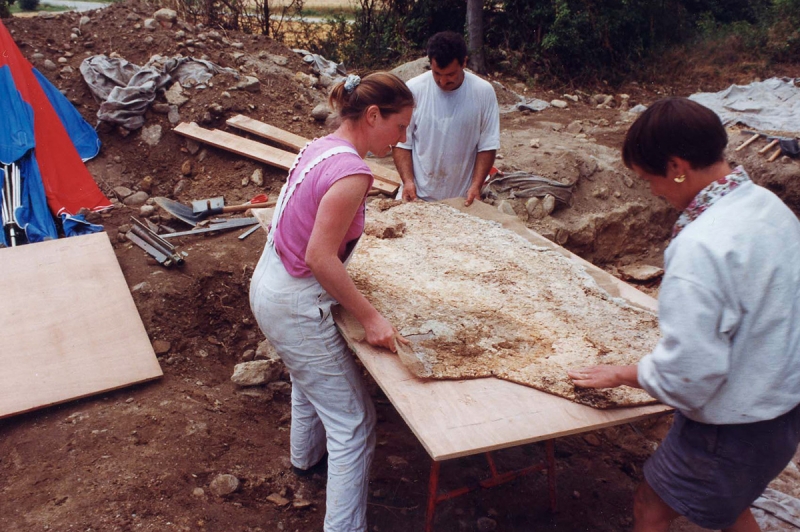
<point x="769" y="146"/>
<point x="748" y="141"/>
<point x="240" y="208"/>
<point x="775" y="155"/>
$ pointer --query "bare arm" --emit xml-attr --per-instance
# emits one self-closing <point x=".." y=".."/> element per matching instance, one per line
<point x="405" y="167"/>
<point x="605" y="376"/>
<point x="336" y="212"/>
<point x="483" y="164"/>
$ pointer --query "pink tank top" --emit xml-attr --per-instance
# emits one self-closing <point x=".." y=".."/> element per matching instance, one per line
<point x="297" y="221"/>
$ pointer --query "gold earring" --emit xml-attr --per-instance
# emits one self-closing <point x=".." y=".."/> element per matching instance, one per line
<point x="680" y="179"/>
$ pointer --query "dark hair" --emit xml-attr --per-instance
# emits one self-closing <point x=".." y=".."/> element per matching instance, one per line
<point x="383" y="89"/>
<point x="446" y="46"/>
<point x="674" y="127"/>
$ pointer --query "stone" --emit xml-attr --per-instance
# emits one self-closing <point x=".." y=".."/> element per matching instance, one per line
<point x="277" y="500"/>
<point x="486" y="524"/>
<point x="535" y="143"/>
<point x="182" y="185"/>
<point x="160" y="108"/>
<point x="307" y="80"/>
<point x="280" y="387"/>
<point x="62" y="60"/>
<point x="628" y="181"/>
<point x="248" y="355"/>
<point x="192" y="146"/>
<point x="224" y="485"/>
<point x="136" y="199"/>
<point x="600" y="193"/>
<point x="151" y="135"/>
<point x="186" y="168"/>
<point x="166" y="15"/>
<point x="301" y="504"/>
<point x="133" y="17"/>
<point x="249" y="84"/>
<point x="599" y="99"/>
<point x="84" y="21"/>
<point x="506" y="208"/>
<point x="245" y="180"/>
<point x="257" y="178"/>
<point x="548" y="204"/>
<point x="49" y="65"/>
<point x="161" y="347"/>
<point x="257" y="372"/>
<point x="265" y="351"/>
<point x="571" y="97"/>
<point x="146" y="211"/>
<point x="575" y="127"/>
<point x="321" y="112"/>
<point x="640" y="272"/>
<point x="122" y="192"/>
<point x="592" y="440"/>
<point x="198" y="492"/>
<point x="559" y="104"/>
<point x="150" y="24"/>
<point x="174" y="116"/>
<point x="175" y="96"/>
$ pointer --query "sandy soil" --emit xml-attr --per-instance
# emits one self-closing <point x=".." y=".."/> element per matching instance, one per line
<point x="143" y="458"/>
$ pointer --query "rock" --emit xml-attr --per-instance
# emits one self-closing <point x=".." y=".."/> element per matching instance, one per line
<point x="62" y="60"/>
<point x="628" y="181"/>
<point x="151" y="135"/>
<point x="84" y="21"/>
<point x="592" y="440"/>
<point x="248" y="355"/>
<point x="307" y="80"/>
<point x="280" y="60"/>
<point x="397" y="462"/>
<point x="124" y="228"/>
<point x="175" y="96"/>
<point x="321" y="112"/>
<point x="249" y="84"/>
<point x="136" y="199"/>
<point x="640" y="272"/>
<point x="638" y="109"/>
<point x="326" y="81"/>
<point x="122" y="192"/>
<point x="506" y="208"/>
<point x="146" y="211"/>
<point x="186" y="168"/>
<point x="406" y="71"/>
<point x="265" y="351"/>
<point x="257" y="372"/>
<point x="133" y="17"/>
<point x="548" y="204"/>
<point x="150" y="24"/>
<point x="161" y="347"/>
<point x="49" y="65"/>
<point x="599" y="99"/>
<point x="571" y="97"/>
<point x="257" y="178"/>
<point x="147" y="40"/>
<point x="224" y="485"/>
<point x="174" y="116"/>
<point x="535" y="143"/>
<point x="301" y="504"/>
<point x="245" y="180"/>
<point x="486" y="524"/>
<point x="559" y="104"/>
<point x="216" y="110"/>
<point x="600" y="193"/>
<point x="575" y="127"/>
<point x="160" y="108"/>
<point x="167" y="17"/>
<point x="280" y="387"/>
<point x="277" y="500"/>
<point x="182" y="185"/>
<point x="198" y="492"/>
<point x="624" y="101"/>
<point x="192" y="146"/>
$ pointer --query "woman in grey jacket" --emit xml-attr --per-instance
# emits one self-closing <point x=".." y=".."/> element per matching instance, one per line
<point x="729" y="312"/>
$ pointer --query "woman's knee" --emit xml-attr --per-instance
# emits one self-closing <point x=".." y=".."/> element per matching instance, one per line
<point x="650" y="513"/>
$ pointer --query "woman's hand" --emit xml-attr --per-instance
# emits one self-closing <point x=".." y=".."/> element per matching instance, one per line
<point x="409" y="191"/>
<point x="381" y="333"/>
<point x="604" y="376"/>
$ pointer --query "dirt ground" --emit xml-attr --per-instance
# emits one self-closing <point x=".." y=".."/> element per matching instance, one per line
<point x="143" y="458"/>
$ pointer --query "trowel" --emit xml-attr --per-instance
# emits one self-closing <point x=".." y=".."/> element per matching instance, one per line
<point x="202" y="209"/>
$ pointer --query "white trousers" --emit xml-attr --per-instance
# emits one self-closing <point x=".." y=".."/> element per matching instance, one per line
<point x="331" y="408"/>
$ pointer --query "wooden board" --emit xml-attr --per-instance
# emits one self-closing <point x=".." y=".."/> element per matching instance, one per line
<point x="296" y="142"/>
<point x="460" y="418"/>
<point x="68" y="325"/>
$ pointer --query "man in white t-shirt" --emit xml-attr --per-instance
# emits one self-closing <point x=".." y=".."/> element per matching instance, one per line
<point x="454" y="132"/>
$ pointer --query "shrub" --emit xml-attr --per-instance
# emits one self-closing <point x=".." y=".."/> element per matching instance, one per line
<point x="29" y="5"/>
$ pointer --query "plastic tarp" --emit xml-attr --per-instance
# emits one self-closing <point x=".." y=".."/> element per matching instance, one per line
<point x="53" y="163"/>
<point x="126" y="90"/>
<point x="771" y="105"/>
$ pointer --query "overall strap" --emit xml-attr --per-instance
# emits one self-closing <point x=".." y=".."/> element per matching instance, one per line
<point x="287" y="191"/>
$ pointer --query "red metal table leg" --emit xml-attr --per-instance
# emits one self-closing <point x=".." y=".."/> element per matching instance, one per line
<point x="433" y="496"/>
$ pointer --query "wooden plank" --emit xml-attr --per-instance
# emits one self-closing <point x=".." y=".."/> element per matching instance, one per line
<point x="296" y="142"/>
<point x="252" y="149"/>
<point x="460" y="418"/>
<point x="68" y="325"/>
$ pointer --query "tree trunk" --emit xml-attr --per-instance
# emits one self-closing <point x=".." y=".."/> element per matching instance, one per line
<point x="475" y="35"/>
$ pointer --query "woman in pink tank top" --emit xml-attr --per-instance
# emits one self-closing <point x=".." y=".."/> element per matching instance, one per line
<point x="318" y="220"/>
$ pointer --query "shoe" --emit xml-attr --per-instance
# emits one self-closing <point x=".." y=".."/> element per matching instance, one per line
<point x="320" y="467"/>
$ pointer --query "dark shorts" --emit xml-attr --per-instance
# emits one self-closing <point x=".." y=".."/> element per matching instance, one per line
<point x="712" y="473"/>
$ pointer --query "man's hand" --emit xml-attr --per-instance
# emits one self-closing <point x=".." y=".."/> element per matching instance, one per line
<point x="409" y="191"/>
<point x="604" y="376"/>
<point x="472" y="194"/>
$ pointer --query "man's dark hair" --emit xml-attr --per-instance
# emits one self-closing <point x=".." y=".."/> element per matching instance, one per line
<point x="674" y="127"/>
<point x="446" y="46"/>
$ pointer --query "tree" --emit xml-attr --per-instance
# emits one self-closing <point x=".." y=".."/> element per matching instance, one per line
<point x="475" y="36"/>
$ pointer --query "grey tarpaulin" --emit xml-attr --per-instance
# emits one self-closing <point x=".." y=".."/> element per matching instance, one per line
<point x="320" y="65"/>
<point x="126" y="90"/>
<point x="777" y="511"/>
<point x="770" y="105"/>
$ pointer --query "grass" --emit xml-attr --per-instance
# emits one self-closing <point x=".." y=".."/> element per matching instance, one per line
<point x="14" y="8"/>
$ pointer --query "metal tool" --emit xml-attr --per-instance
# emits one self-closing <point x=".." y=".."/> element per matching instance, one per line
<point x="208" y="204"/>
<point x="155" y="246"/>
<point x="222" y="226"/>
<point x="249" y="232"/>
<point x="187" y="214"/>
<point x="11" y="200"/>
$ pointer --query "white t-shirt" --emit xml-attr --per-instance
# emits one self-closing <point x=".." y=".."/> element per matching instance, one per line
<point x="446" y="132"/>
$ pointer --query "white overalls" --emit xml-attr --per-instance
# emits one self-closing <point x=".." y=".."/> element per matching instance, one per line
<point x="330" y="405"/>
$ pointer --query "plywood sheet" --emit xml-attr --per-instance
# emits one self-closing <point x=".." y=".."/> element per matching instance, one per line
<point x="68" y="324"/>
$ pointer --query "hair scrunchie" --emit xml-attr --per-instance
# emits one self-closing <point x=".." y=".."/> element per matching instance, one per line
<point x="351" y="83"/>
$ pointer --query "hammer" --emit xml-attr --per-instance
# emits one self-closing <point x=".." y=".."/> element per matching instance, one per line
<point x="787" y="145"/>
